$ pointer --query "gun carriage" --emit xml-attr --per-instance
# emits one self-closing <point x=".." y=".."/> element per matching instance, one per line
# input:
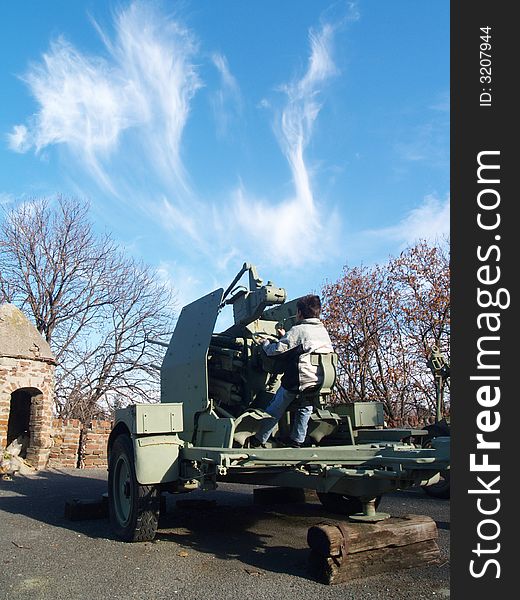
<point x="214" y="391"/>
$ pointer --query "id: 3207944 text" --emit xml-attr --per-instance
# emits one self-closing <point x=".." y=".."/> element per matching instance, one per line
<point x="485" y="66"/>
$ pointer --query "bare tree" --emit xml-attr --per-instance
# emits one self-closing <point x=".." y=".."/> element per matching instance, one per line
<point x="358" y="312"/>
<point x="95" y="307"/>
<point x="421" y="276"/>
<point x="383" y="321"/>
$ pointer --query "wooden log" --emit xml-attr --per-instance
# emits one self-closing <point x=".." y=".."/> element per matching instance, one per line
<point x="334" y="539"/>
<point x="333" y="570"/>
<point x="86" y="508"/>
<point x="81" y="509"/>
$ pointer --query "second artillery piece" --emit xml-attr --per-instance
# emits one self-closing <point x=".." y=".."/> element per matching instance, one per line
<point x="214" y="389"/>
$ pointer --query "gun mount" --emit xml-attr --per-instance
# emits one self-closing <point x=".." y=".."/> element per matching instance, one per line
<point x="441" y="372"/>
<point x="440" y="369"/>
<point x="214" y="391"/>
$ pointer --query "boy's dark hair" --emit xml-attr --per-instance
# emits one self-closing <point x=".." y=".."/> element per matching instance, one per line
<point x="309" y="306"/>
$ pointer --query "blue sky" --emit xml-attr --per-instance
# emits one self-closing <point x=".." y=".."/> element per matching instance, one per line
<point x="299" y="135"/>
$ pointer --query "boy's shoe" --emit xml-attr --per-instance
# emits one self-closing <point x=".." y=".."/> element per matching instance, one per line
<point x="288" y="442"/>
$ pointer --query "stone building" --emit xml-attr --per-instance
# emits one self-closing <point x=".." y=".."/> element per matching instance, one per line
<point x="26" y="386"/>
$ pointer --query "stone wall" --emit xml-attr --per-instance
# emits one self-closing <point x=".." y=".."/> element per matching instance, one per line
<point x="37" y="378"/>
<point x="27" y="367"/>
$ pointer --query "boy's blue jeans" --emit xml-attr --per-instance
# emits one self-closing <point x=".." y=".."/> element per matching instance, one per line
<point x="277" y="408"/>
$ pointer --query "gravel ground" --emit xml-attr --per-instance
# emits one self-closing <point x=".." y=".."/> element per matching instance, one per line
<point x="236" y="549"/>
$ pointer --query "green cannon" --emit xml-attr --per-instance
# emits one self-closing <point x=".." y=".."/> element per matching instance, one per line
<point x="214" y="391"/>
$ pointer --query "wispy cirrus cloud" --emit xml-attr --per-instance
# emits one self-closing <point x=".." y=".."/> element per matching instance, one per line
<point x="428" y="141"/>
<point x="122" y="115"/>
<point x="227" y="100"/>
<point x="291" y="231"/>
<point x="299" y="115"/>
<point x="429" y="221"/>
<point x="18" y="140"/>
<point x="87" y="103"/>
<point x="6" y="198"/>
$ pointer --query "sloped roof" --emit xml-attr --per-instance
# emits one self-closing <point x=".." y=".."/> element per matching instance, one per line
<point x="19" y="337"/>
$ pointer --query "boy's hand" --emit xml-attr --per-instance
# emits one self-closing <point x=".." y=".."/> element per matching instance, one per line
<point x="280" y="332"/>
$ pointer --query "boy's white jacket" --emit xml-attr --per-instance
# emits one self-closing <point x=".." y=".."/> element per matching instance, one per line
<point x="295" y="347"/>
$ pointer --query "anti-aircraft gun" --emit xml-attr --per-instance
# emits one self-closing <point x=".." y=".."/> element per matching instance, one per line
<point x="214" y="390"/>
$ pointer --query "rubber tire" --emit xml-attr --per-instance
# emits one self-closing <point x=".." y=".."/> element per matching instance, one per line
<point x="133" y="517"/>
<point x="440" y="490"/>
<point x="342" y="504"/>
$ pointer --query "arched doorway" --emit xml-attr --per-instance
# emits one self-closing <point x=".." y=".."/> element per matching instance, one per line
<point x="19" y="424"/>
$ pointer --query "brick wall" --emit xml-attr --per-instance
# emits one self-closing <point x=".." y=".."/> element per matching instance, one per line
<point x="65" y="443"/>
<point x="94" y="445"/>
<point x="73" y="443"/>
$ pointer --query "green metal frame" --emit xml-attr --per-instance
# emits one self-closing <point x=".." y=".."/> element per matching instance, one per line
<point x="191" y="438"/>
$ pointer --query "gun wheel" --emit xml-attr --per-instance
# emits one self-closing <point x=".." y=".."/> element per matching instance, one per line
<point x="342" y="504"/>
<point x="133" y="508"/>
